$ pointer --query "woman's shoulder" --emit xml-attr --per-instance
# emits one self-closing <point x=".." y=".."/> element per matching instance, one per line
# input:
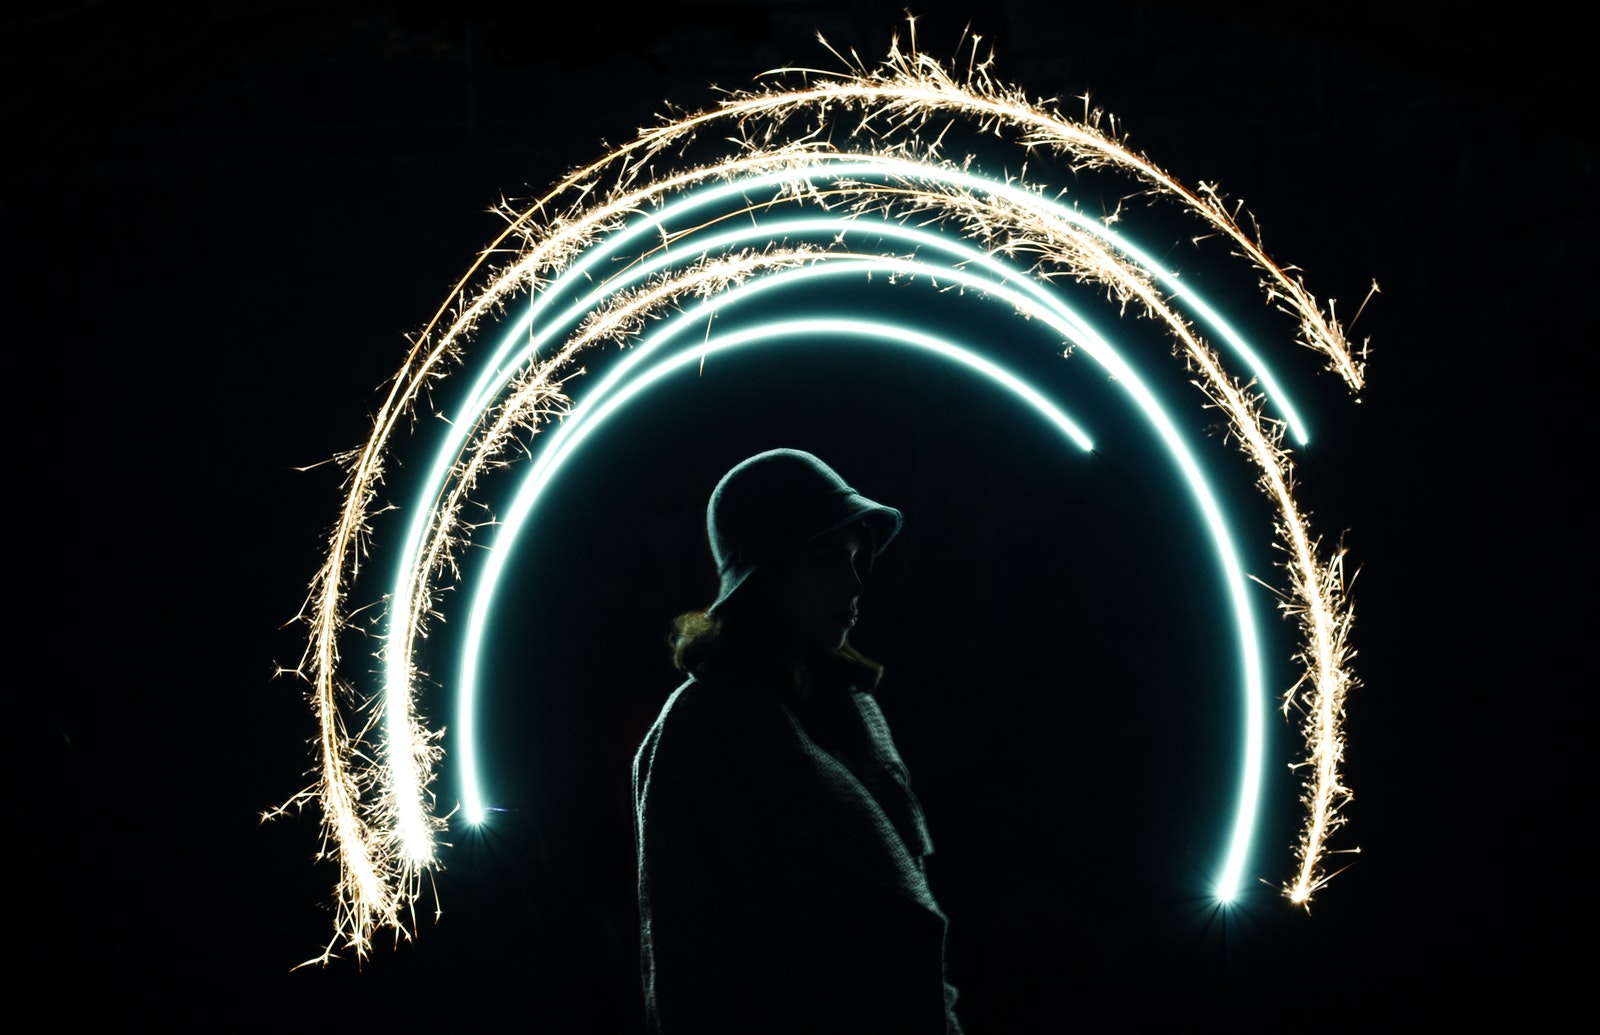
<point x="698" y="704"/>
<point x="712" y="710"/>
<point x="713" y="697"/>
<point x="687" y="707"/>
<point x="708" y="730"/>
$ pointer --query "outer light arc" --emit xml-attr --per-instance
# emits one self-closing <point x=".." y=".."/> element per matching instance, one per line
<point x="372" y="786"/>
<point x="1052" y="312"/>
<point x="414" y="830"/>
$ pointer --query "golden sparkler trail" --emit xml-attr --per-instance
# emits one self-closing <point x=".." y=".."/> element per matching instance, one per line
<point x="683" y="220"/>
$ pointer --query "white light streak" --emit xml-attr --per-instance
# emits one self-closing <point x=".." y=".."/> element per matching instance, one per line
<point x="596" y="412"/>
<point x="616" y="248"/>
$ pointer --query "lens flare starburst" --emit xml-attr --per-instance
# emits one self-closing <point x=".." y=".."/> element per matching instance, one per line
<point x="843" y="174"/>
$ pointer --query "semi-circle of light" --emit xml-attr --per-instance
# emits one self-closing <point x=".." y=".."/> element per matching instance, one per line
<point x="371" y="794"/>
<point x="518" y="346"/>
<point x="623" y="383"/>
<point x="594" y="413"/>
<point x="528" y="341"/>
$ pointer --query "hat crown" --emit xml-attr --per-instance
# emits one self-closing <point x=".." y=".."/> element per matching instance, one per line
<point x="778" y="500"/>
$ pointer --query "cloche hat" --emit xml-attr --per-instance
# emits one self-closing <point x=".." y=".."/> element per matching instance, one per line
<point x="777" y="501"/>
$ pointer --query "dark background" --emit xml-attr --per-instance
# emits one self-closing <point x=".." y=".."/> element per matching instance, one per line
<point x="221" y="227"/>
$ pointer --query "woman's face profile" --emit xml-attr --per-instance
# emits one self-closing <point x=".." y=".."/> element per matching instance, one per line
<point x="814" y="591"/>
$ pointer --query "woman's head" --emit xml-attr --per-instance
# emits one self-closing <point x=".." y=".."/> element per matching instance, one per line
<point x="792" y="543"/>
<point x="808" y="598"/>
<point x="773" y="505"/>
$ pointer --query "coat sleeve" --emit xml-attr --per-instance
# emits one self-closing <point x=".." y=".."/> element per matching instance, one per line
<point x="679" y="818"/>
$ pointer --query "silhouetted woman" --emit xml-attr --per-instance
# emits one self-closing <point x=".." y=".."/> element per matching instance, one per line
<point x="781" y="879"/>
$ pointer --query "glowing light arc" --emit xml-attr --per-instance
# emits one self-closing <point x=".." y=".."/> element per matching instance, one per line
<point x="373" y="795"/>
<point x="1047" y="310"/>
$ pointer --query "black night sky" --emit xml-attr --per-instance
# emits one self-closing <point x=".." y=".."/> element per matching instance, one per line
<point x="220" y="229"/>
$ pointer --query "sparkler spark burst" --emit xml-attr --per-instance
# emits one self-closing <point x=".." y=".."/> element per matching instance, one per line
<point x="843" y="174"/>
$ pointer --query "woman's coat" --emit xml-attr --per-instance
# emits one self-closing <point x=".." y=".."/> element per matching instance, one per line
<point x="781" y="883"/>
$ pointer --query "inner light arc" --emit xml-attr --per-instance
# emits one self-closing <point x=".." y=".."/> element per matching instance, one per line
<point x="1069" y="326"/>
<point x="586" y="418"/>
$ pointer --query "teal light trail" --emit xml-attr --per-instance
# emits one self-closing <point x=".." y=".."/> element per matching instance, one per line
<point x="646" y="245"/>
<point x="603" y="406"/>
<point x="518" y="347"/>
<point x="1026" y="297"/>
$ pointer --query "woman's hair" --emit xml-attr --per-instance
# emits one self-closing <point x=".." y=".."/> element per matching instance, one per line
<point x="700" y="637"/>
<point x="694" y="637"/>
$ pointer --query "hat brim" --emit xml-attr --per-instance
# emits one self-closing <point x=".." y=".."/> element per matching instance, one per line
<point x="883" y="524"/>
